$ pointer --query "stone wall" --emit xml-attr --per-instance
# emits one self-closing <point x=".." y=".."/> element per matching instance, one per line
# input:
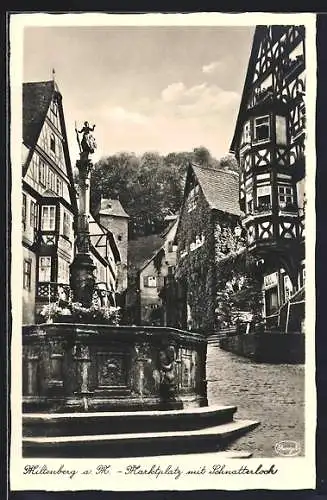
<point x="267" y="347"/>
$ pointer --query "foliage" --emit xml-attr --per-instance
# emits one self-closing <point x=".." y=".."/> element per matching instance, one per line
<point x="75" y="312"/>
<point x="229" y="161"/>
<point x="197" y="267"/>
<point x="238" y="289"/>
<point x="149" y="186"/>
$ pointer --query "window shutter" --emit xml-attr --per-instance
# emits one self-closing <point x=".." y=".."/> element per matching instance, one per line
<point x="145" y="281"/>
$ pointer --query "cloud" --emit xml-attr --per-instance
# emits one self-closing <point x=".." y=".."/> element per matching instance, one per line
<point x="173" y="92"/>
<point x="119" y="114"/>
<point x="212" y="67"/>
<point x="199" y="100"/>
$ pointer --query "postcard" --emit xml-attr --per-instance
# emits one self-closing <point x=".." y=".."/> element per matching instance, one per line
<point x="163" y="243"/>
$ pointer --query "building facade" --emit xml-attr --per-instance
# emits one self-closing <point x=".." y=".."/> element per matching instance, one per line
<point x="49" y="206"/>
<point x="113" y="217"/>
<point x="152" y="278"/>
<point x="269" y="144"/>
<point x="208" y="230"/>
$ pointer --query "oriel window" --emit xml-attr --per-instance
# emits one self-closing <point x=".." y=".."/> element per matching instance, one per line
<point x="264" y="197"/>
<point x="66" y="224"/>
<point x="262" y="128"/>
<point x="48" y="218"/>
<point x="285" y="196"/>
<point x="44" y="269"/>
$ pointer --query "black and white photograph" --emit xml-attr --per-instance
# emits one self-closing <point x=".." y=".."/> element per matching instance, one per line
<point x="163" y="236"/>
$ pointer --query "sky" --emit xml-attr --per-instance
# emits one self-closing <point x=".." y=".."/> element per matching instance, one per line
<point x="146" y="88"/>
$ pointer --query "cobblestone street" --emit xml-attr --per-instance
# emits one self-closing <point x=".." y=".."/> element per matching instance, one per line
<point x="272" y="394"/>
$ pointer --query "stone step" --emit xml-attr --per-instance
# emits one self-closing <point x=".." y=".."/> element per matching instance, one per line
<point x="79" y="424"/>
<point x="209" y="439"/>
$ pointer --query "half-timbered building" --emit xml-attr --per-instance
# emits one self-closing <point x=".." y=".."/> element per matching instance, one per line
<point x="269" y="143"/>
<point x="49" y="207"/>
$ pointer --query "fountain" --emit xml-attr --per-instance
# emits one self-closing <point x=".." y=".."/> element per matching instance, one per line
<point x="98" y="390"/>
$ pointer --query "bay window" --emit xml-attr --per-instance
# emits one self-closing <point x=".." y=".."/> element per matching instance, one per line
<point x="285" y="196"/>
<point x="44" y="269"/>
<point x="48" y="218"/>
<point x="264" y="197"/>
<point x="261" y="128"/>
<point x="66" y="224"/>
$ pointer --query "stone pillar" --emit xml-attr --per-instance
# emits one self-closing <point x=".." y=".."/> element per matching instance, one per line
<point x="82" y="358"/>
<point x="82" y="277"/>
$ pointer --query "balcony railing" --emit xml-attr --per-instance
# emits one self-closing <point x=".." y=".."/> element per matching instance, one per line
<point x="53" y="291"/>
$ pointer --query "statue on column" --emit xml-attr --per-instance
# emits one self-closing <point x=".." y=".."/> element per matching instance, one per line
<point x="87" y="145"/>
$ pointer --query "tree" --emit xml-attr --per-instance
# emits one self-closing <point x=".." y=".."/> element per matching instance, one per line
<point x="229" y="162"/>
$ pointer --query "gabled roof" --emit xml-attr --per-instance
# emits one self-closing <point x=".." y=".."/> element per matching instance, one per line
<point x="143" y="248"/>
<point x="220" y="188"/>
<point x="112" y="207"/>
<point x="37" y="97"/>
<point x="36" y="101"/>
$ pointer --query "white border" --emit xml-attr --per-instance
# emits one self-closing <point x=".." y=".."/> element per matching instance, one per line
<point x="293" y="473"/>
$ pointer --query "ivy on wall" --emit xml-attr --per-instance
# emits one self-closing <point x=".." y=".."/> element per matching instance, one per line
<point x="221" y="277"/>
<point x="196" y="268"/>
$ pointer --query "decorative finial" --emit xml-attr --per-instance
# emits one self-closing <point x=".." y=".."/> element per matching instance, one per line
<point x="53" y="75"/>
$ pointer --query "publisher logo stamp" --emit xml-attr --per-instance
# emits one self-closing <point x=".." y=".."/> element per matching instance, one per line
<point x="287" y="448"/>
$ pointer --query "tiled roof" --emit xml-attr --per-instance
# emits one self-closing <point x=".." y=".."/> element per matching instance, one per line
<point x="36" y="100"/>
<point x="143" y="249"/>
<point x="220" y="188"/>
<point x="112" y="207"/>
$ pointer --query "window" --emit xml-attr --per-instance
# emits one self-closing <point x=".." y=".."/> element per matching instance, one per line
<point x="264" y="197"/>
<point x="193" y="198"/>
<point x="42" y="173"/>
<point x="48" y="218"/>
<point x="285" y="196"/>
<point x="170" y="246"/>
<point x="24" y="211"/>
<point x="288" y="288"/>
<point x="261" y="129"/>
<point x="44" y="268"/>
<point x="58" y="186"/>
<point x="27" y="268"/>
<point x="271" y="297"/>
<point x="33" y="214"/>
<point x="52" y="143"/>
<point x="66" y="224"/>
<point x="120" y="237"/>
<point x="63" y="271"/>
<point x="281" y="135"/>
<point x="250" y="206"/>
<point x="150" y="281"/>
<point x="246" y="133"/>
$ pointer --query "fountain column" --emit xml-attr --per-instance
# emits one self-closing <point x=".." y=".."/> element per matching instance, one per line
<point x="82" y="279"/>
